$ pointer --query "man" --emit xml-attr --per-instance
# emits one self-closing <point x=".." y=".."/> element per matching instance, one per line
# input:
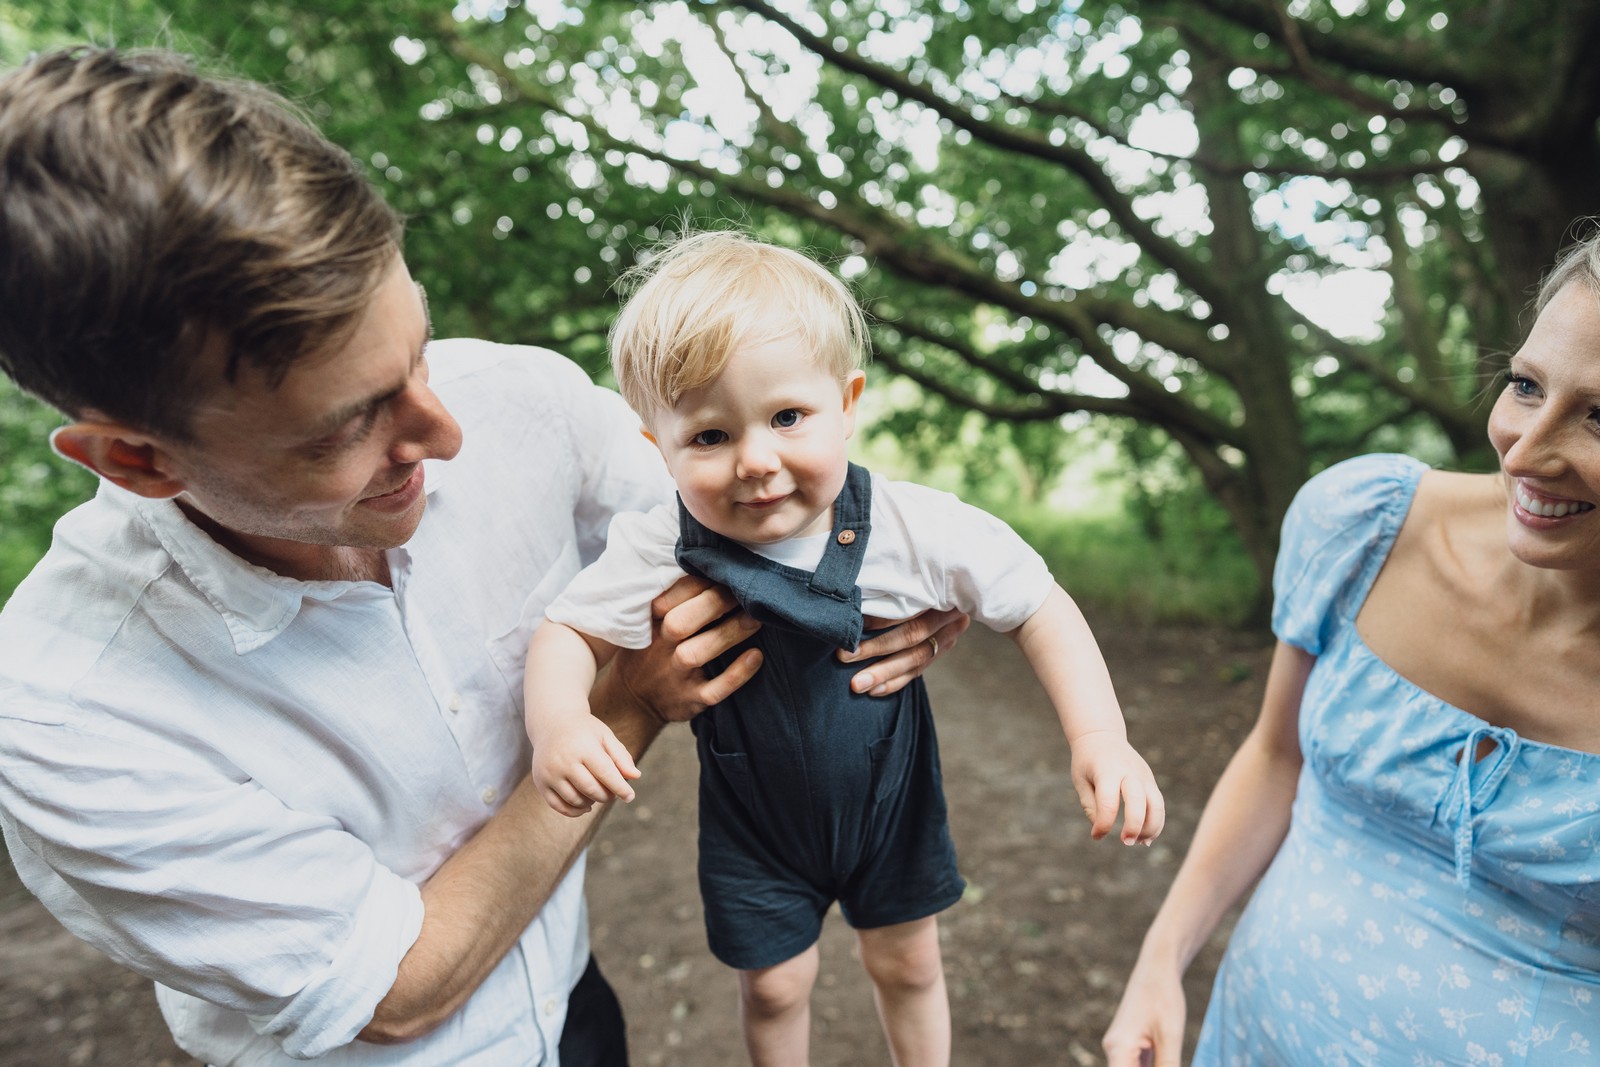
<point x="259" y="726"/>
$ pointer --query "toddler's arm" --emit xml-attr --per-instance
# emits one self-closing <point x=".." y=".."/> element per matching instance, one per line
<point x="1106" y="770"/>
<point x="577" y="760"/>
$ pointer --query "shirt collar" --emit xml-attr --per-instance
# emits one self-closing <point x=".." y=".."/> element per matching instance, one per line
<point x="256" y="604"/>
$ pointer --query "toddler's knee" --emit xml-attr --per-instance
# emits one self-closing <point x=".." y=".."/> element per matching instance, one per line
<point x="776" y="991"/>
<point x="911" y="968"/>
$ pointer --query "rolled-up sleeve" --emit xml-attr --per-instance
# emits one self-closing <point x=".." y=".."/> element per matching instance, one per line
<point x="204" y="881"/>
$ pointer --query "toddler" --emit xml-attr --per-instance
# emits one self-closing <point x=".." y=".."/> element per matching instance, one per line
<point x="743" y="361"/>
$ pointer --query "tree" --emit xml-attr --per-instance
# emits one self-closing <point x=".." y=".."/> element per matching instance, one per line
<point x="1054" y="211"/>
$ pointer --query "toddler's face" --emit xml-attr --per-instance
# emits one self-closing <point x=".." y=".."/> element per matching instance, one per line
<point x="759" y="454"/>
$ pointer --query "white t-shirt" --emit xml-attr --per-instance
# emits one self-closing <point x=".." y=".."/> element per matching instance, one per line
<point x="927" y="549"/>
<point x="233" y="782"/>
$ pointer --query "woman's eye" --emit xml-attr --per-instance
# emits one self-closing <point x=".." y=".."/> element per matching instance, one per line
<point x="1520" y="385"/>
<point x="786" y="418"/>
<point x="707" y="438"/>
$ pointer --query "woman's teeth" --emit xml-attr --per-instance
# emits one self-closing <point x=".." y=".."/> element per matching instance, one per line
<point x="1549" y="509"/>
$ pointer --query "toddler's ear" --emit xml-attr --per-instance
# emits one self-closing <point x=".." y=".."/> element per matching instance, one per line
<point x="852" y="393"/>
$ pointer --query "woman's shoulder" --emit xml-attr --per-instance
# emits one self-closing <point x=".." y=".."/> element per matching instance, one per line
<point x="1336" y="536"/>
<point x="1356" y="491"/>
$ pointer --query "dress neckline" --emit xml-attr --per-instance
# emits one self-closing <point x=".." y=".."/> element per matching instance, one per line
<point x="1393" y="521"/>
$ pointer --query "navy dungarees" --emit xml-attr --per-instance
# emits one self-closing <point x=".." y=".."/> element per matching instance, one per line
<point x="810" y="793"/>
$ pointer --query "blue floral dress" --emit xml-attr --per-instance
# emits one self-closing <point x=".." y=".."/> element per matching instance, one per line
<point x="1424" y="910"/>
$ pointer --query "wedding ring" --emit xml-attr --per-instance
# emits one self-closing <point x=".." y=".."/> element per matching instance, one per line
<point x="934" y="641"/>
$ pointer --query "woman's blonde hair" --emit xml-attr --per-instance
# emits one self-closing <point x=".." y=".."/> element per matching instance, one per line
<point x="1581" y="260"/>
<point x="704" y="295"/>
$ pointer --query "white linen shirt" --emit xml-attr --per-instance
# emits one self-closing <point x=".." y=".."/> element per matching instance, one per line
<point x="233" y="782"/>
<point x="926" y="549"/>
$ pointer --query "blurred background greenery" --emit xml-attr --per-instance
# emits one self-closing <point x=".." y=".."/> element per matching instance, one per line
<point x="1137" y="269"/>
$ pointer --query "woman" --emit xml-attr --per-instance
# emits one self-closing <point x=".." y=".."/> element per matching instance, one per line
<point x="1422" y="788"/>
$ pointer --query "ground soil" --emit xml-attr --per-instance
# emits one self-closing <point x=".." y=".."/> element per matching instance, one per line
<point x="1035" y="954"/>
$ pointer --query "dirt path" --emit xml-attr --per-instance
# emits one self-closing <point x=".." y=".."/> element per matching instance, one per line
<point x="1035" y="955"/>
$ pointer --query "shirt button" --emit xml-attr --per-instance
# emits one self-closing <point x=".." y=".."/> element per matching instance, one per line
<point x="455" y="702"/>
<point x="847" y="537"/>
<point x="489" y="795"/>
<point x="550" y="1006"/>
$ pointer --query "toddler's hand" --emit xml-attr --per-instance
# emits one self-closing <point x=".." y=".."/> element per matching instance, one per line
<point x="1107" y="772"/>
<point x="580" y="765"/>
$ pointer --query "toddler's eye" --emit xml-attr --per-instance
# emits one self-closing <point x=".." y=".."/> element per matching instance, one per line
<point x="786" y="418"/>
<point x="707" y="438"/>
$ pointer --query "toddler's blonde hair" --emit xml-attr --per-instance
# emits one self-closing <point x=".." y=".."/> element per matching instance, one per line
<point x="706" y="294"/>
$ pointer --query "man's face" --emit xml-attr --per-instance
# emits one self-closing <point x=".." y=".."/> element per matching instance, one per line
<point x="329" y="459"/>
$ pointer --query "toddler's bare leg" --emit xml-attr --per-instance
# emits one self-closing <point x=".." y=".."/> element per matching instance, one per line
<point x="908" y="980"/>
<point x="775" y="1005"/>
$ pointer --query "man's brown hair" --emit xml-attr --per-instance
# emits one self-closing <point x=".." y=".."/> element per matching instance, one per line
<point x="150" y="213"/>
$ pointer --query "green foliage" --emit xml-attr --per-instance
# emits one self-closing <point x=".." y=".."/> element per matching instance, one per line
<point x="36" y="486"/>
<point x="1054" y="211"/>
<point x="1195" y="571"/>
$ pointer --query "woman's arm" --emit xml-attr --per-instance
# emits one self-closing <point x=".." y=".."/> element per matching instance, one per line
<point x="1243" y="825"/>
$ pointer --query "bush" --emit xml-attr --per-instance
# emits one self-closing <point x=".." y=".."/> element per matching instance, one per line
<point x="1113" y="567"/>
<point x="36" y="486"/>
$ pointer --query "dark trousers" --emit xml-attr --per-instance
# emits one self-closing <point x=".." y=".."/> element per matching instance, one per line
<point x="595" y="1035"/>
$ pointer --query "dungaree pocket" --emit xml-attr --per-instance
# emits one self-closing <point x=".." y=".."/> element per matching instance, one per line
<point x="888" y="754"/>
<point x="731" y="767"/>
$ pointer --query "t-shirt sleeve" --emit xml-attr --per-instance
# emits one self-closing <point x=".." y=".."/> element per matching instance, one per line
<point x="972" y="560"/>
<point x="610" y="598"/>
<point x="1336" y="536"/>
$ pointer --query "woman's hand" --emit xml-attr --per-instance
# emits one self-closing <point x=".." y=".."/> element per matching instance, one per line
<point x="904" y="652"/>
<point x="669" y="678"/>
<point x="1147" y="1030"/>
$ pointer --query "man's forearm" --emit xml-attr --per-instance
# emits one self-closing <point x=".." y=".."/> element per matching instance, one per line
<point x="481" y="899"/>
<point x="475" y="907"/>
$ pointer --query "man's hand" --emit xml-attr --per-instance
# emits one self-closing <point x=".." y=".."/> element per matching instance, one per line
<point x="1107" y="772"/>
<point x="904" y="652"/>
<point x="581" y="764"/>
<point x="695" y="622"/>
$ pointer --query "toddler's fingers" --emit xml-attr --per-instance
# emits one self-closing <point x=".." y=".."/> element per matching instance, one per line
<point x="1092" y="801"/>
<point x="564" y="799"/>
<point x="1155" y="819"/>
<point x="1107" y="795"/>
<point x="609" y="781"/>
<point x="587" y="788"/>
<point x="620" y="755"/>
<point x="1133" y="812"/>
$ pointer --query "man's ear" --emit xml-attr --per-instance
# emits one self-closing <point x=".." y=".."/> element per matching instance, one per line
<point x="123" y="456"/>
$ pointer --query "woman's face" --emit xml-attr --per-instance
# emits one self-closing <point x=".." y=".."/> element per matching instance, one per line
<point x="1545" y="426"/>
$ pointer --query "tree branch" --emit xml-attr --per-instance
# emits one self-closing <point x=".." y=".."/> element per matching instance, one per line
<point x="1051" y="406"/>
<point x="1387" y="55"/>
<point x="1022" y="142"/>
<point x="889" y="240"/>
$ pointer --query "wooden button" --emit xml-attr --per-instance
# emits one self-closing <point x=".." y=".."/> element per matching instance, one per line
<point x="847" y="537"/>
